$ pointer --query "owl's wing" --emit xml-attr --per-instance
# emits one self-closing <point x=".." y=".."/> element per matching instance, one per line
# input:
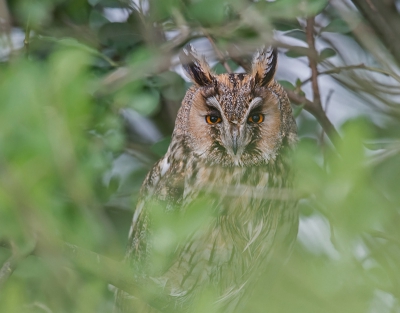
<point x="163" y="185"/>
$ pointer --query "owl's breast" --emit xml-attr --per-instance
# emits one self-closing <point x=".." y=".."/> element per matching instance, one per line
<point x="244" y="225"/>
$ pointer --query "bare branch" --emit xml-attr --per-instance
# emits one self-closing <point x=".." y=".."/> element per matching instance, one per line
<point x="318" y="114"/>
<point x="218" y="52"/>
<point x="315" y="106"/>
<point x="385" y="22"/>
<point x="4" y="17"/>
<point x="11" y="264"/>
<point x="361" y="66"/>
<point x="7" y="269"/>
<point x="313" y="63"/>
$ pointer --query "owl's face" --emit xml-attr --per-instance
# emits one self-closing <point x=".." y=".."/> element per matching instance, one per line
<point x="233" y="119"/>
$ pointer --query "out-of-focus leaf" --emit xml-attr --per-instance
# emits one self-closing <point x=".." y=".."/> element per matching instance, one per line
<point x="36" y="11"/>
<point x="287" y="85"/>
<point x="294" y="54"/>
<point x="286" y="9"/>
<point x="109" y="3"/>
<point x="220" y="69"/>
<point x="297" y="110"/>
<point x="161" y="147"/>
<point x="337" y="26"/>
<point x="97" y="19"/>
<point x="298" y="34"/>
<point x="208" y="12"/>
<point x="286" y="25"/>
<point x="119" y="35"/>
<point x="171" y="84"/>
<point x="326" y="53"/>
<point x="145" y="103"/>
<point x="162" y="9"/>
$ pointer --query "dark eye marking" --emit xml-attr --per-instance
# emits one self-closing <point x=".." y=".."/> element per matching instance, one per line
<point x="255" y="118"/>
<point x="213" y="119"/>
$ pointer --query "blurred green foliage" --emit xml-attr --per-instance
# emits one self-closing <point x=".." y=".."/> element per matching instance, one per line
<point x="88" y="105"/>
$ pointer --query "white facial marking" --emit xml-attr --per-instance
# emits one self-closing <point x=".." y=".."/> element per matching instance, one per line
<point x="254" y="103"/>
<point x="212" y="101"/>
<point x="165" y="166"/>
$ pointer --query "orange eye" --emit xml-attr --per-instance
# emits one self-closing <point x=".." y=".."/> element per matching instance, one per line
<point x="256" y="118"/>
<point x="213" y="119"/>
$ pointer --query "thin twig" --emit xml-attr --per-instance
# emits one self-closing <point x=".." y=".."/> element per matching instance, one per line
<point x="27" y="36"/>
<point x="314" y="107"/>
<point x="73" y="43"/>
<point x="382" y="235"/>
<point x="218" y="52"/>
<point x="384" y="21"/>
<point x="318" y="114"/>
<point x="313" y="63"/>
<point x="322" y="137"/>
<point x="11" y="264"/>
<point x="361" y="66"/>
<point x="7" y="269"/>
<point x="327" y="101"/>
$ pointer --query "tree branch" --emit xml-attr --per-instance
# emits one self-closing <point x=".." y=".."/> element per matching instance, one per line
<point x="11" y="264"/>
<point x="314" y="107"/>
<point x="318" y="114"/>
<point x="218" y="52"/>
<point x="385" y="22"/>
<point x="313" y="64"/>
<point x="7" y="269"/>
<point x="361" y="66"/>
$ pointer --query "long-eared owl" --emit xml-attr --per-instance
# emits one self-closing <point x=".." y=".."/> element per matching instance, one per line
<point x="228" y="157"/>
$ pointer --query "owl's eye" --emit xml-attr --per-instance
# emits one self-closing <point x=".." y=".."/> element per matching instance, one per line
<point x="256" y="118"/>
<point x="213" y="119"/>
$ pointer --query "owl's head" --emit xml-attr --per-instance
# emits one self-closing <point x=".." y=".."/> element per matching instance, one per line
<point x="235" y="119"/>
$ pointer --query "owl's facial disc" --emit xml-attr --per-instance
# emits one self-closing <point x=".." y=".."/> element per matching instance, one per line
<point x="235" y="131"/>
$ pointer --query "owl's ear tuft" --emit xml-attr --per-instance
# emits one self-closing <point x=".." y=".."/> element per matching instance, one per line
<point x="196" y="67"/>
<point x="264" y="66"/>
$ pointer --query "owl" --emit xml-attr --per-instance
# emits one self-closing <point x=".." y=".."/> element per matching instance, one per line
<point x="229" y="157"/>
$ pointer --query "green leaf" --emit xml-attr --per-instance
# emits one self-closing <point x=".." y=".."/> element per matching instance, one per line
<point x="220" y="69"/>
<point x="286" y="84"/>
<point x="337" y="26"/>
<point x="326" y="53"/>
<point x="297" y="110"/>
<point x="208" y="12"/>
<point x="298" y="34"/>
<point x="97" y="19"/>
<point x="287" y="9"/>
<point x="286" y="25"/>
<point x="119" y="35"/>
<point x="161" y="147"/>
<point x="145" y="103"/>
<point x="108" y="3"/>
<point x="295" y="54"/>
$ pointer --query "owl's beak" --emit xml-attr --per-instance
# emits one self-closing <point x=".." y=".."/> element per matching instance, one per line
<point x="235" y="134"/>
<point x="234" y="144"/>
